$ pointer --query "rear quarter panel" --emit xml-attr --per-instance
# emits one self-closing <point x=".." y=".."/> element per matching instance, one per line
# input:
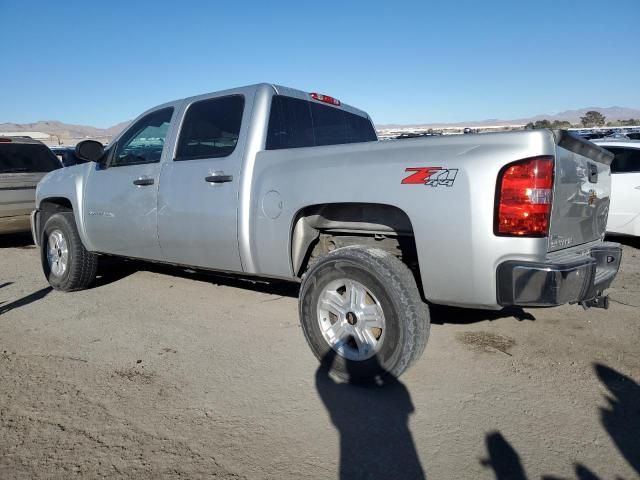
<point x="453" y="225"/>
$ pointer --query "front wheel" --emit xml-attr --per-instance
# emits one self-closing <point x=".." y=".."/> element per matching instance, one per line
<point x="66" y="263"/>
<point x="362" y="306"/>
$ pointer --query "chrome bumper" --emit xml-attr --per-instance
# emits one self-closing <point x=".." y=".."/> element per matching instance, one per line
<point x="529" y="284"/>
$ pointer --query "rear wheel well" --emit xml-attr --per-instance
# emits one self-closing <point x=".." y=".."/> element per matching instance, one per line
<point x="320" y="229"/>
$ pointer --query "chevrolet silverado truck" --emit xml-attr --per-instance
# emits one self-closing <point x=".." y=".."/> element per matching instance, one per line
<point x="274" y="182"/>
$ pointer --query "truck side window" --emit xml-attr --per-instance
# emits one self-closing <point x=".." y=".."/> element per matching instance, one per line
<point x="211" y="128"/>
<point x="290" y="124"/>
<point x="627" y="160"/>
<point x="295" y="123"/>
<point x="144" y="141"/>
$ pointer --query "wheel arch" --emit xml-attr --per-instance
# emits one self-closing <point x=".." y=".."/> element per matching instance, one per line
<point x="56" y="204"/>
<point x="49" y="206"/>
<point x="359" y="220"/>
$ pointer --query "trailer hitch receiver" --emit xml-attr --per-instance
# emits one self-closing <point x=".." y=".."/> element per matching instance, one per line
<point x="599" y="301"/>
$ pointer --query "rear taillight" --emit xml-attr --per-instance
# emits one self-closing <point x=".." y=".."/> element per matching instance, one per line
<point x="5" y="140"/>
<point x="325" y="99"/>
<point x="523" y="198"/>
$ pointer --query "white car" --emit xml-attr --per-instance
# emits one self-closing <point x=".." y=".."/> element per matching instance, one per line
<point x="624" y="212"/>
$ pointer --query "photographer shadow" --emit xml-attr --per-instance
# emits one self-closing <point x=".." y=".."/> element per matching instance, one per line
<point x="373" y="423"/>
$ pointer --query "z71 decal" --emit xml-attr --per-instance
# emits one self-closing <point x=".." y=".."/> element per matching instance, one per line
<point x="432" y="176"/>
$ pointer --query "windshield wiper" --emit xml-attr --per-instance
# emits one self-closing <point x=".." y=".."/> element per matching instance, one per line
<point x="13" y="170"/>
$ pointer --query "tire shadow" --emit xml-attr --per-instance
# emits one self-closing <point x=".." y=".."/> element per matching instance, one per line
<point x="372" y="421"/>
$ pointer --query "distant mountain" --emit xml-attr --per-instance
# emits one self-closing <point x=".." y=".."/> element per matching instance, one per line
<point x="573" y="116"/>
<point x="63" y="130"/>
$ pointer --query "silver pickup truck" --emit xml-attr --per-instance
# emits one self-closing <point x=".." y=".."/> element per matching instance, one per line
<point x="274" y="182"/>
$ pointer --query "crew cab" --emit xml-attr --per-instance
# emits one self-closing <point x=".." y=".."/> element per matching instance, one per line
<point x="274" y="182"/>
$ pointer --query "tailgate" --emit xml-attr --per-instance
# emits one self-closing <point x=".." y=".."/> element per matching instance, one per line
<point x="581" y="192"/>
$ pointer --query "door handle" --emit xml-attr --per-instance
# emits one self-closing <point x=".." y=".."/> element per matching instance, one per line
<point x="637" y="188"/>
<point x="143" y="182"/>
<point x="219" y="178"/>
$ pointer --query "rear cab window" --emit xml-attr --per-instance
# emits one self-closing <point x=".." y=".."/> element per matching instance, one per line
<point x="211" y="128"/>
<point x="295" y="123"/>
<point x="16" y="157"/>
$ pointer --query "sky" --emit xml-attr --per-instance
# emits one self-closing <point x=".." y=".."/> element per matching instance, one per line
<point x="100" y="63"/>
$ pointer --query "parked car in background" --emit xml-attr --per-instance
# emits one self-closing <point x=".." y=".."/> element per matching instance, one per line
<point x="66" y="155"/>
<point x="270" y="181"/>
<point x="23" y="162"/>
<point x="624" y="213"/>
<point x="633" y="135"/>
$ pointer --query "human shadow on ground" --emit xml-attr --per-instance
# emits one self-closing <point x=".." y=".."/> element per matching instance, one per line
<point x="505" y="462"/>
<point x="373" y="424"/>
<point x="503" y="458"/>
<point x="441" y="314"/>
<point x="621" y="420"/>
<point x="26" y="300"/>
<point x="112" y="269"/>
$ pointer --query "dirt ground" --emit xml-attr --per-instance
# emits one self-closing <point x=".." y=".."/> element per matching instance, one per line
<point x="161" y="373"/>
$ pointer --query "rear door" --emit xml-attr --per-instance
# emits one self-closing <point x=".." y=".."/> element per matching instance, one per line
<point x="625" y="189"/>
<point x="198" y="196"/>
<point x="120" y="201"/>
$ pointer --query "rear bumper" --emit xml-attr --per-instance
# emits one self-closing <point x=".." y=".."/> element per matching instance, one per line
<point x="530" y="284"/>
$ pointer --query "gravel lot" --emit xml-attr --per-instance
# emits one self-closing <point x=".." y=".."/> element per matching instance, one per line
<point x="157" y="372"/>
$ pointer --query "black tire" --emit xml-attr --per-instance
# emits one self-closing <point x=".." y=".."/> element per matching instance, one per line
<point x="406" y="316"/>
<point x="81" y="264"/>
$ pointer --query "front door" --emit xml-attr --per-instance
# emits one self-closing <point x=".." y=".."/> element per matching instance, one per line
<point x="197" y="200"/>
<point x="120" y="200"/>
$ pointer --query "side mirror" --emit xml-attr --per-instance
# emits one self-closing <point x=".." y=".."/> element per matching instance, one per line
<point x="89" y="150"/>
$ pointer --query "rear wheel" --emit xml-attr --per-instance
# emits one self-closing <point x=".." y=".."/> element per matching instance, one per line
<point x="362" y="306"/>
<point x="66" y="263"/>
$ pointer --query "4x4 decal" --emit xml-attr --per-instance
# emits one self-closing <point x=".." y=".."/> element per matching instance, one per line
<point x="432" y="176"/>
